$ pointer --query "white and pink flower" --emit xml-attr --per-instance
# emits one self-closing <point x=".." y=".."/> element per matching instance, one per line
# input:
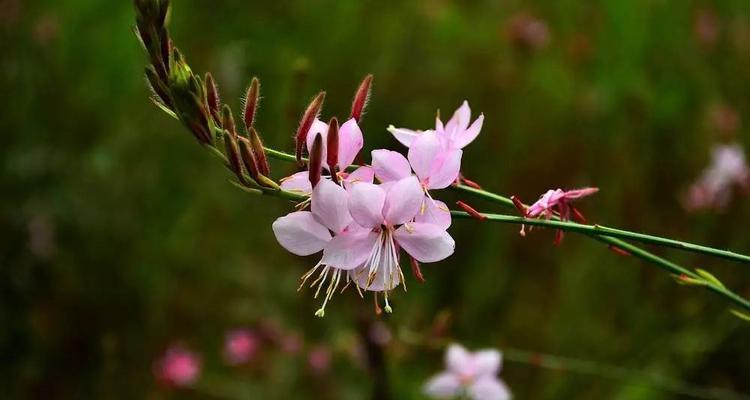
<point x="472" y="375"/>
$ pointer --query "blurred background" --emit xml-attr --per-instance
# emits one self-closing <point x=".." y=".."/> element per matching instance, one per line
<point x="121" y="240"/>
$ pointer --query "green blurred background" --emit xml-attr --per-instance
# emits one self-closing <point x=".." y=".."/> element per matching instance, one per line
<point x="119" y="235"/>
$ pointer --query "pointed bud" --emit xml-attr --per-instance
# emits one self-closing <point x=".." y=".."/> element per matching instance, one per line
<point x="471" y="211"/>
<point x="361" y="98"/>
<point x="577" y="216"/>
<point x="233" y="155"/>
<point x="618" y="251"/>
<point x="469" y="183"/>
<point x="158" y="87"/>
<point x="332" y="147"/>
<point x="227" y="121"/>
<point x="416" y="271"/>
<point x="316" y="160"/>
<point x="256" y="145"/>
<point x="308" y="118"/>
<point x="248" y="159"/>
<point x="212" y="98"/>
<point x="251" y="103"/>
<point x="519" y="205"/>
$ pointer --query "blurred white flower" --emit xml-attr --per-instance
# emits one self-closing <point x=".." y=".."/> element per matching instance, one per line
<point x="713" y="188"/>
<point x="473" y="375"/>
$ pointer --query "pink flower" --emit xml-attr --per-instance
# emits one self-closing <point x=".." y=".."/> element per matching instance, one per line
<point x="714" y="187"/>
<point x="455" y="135"/>
<point x="473" y="375"/>
<point x="308" y="232"/>
<point x="350" y="141"/>
<point x="386" y="214"/>
<point x="178" y="367"/>
<point x="319" y="359"/>
<point x="240" y="346"/>
<point x="556" y="202"/>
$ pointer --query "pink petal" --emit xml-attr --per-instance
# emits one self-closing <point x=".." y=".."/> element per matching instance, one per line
<point x="381" y="282"/>
<point x="489" y="388"/>
<point x="349" y="249"/>
<point x="425" y="242"/>
<point x="364" y="174"/>
<point x="460" y="120"/>
<point x="318" y="127"/>
<point x="457" y="359"/>
<point x="366" y="203"/>
<point x="443" y="386"/>
<point x="487" y="362"/>
<point x="403" y="201"/>
<point x="445" y="169"/>
<point x="434" y="212"/>
<point x="329" y="204"/>
<point x="300" y="233"/>
<point x="422" y="154"/>
<point x="390" y="165"/>
<point x="578" y="193"/>
<point x="464" y="137"/>
<point x="299" y="182"/>
<point x="403" y="135"/>
<point x="350" y="143"/>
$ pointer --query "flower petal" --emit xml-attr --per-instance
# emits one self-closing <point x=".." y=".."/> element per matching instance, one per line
<point x="390" y="165"/>
<point x="443" y="386"/>
<point x="487" y="362"/>
<point x="350" y="143"/>
<point x="366" y="203"/>
<point x="299" y="182"/>
<point x="364" y="174"/>
<point x="349" y="249"/>
<point x="329" y="204"/>
<point x="403" y="135"/>
<point x="457" y="359"/>
<point x="403" y="201"/>
<point x="318" y="127"/>
<point x="422" y="154"/>
<point x="459" y="121"/>
<point x="445" y="169"/>
<point x="489" y="388"/>
<point x="381" y="282"/>
<point x="578" y="193"/>
<point x="434" y="212"/>
<point x="464" y="137"/>
<point x="425" y="242"/>
<point x="300" y="233"/>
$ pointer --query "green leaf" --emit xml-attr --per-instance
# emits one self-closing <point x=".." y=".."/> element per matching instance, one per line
<point x="709" y="277"/>
<point x="741" y="315"/>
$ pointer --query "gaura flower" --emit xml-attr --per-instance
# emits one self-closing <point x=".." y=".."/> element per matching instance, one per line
<point x="178" y="367"/>
<point x="350" y="141"/>
<point x="556" y="202"/>
<point x="308" y="232"/>
<point x="386" y="216"/>
<point x="240" y="346"/>
<point x="455" y="134"/>
<point x="714" y="187"/>
<point x="300" y="181"/>
<point x="473" y="375"/>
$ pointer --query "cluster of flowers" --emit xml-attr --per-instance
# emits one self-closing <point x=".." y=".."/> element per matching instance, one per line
<point x="361" y="218"/>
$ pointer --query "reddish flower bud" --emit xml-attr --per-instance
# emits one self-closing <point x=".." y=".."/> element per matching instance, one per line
<point x="332" y="147"/>
<point x="227" y="121"/>
<point x="469" y="183"/>
<point x="248" y="158"/>
<point x="577" y="216"/>
<point x="233" y="155"/>
<point x="316" y="160"/>
<point x="308" y="118"/>
<point x="416" y="271"/>
<point x="160" y="89"/>
<point x="618" y="251"/>
<point x="471" y="211"/>
<point x="212" y="98"/>
<point x="361" y="98"/>
<point x="558" y="237"/>
<point x="256" y="145"/>
<point x="519" y="205"/>
<point x="251" y="103"/>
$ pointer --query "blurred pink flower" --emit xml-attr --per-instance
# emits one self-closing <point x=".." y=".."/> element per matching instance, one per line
<point x="473" y="375"/>
<point x="240" y="346"/>
<point x="528" y="32"/>
<point x="178" y="367"/>
<point x="319" y="359"/>
<point x="713" y="188"/>
<point x="291" y="343"/>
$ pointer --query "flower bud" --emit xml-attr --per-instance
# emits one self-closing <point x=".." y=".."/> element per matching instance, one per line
<point x="361" y="98"/>
<point x="471" y="211"/>
<point x="212" y="98"/>
<point x="416" y="271"/>
<point x="161" y="91"/>
<point x="332" y="147"/>
<point x="256" y="145"/>
<point x="227" y="121"/>
<point x="251" y="103"/>
<point x="233" y="155"/>
<point x="248" y="158"/>
<point x="316" y="160"/>
<point x="519" y="205"/>
<point x="312" y="111"/>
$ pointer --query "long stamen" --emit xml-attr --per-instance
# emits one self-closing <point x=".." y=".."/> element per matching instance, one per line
<point x="307" y="276"/>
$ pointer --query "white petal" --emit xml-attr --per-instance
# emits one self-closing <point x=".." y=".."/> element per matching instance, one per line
<point x="443" y="386"/>
<point x="300" y="233"/>
<point x="457" y="359"/>
<point x="403" y="201"/>
<point x="366" y="203"/>
<point x="329" y="204"/>
<point x="487" y="362"/>
<point x="425" y="242"/>
<point x="349" y="249"/>
<point x="434" y="212"/>
<point x="489" y="388"/>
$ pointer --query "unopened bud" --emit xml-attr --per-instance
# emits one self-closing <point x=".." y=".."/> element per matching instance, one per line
<point x="471" y="211"/>
<point x="519" y="205"/>
<point x="332" y="147"/>
<point x="227" y="121"/>
<point x="312" y="111"/>
<point x="233" y="155"/>
<point x="577" y="216"/>
<point x="161" y="91"/>
<point x="316" y="160"/>
<point x="212" y="98"/>
<point x="248" y="159"/>
<point x="416" y="271"/>
<point x="256" y="145"/>
<point x="251" y="103"/>
<point x="361" y="98"/>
